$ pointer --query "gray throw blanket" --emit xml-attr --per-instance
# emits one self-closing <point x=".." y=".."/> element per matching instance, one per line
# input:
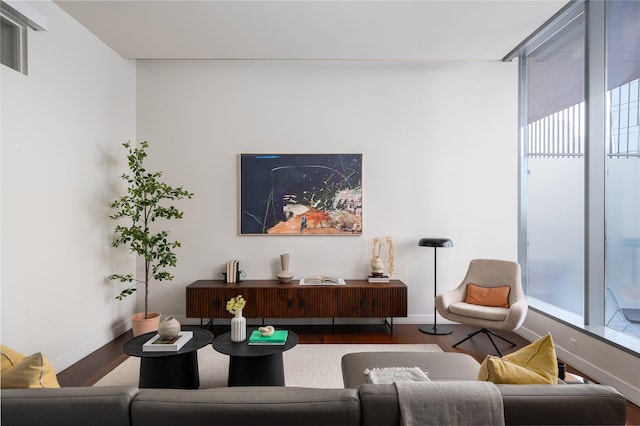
<point x="450" y="403"/>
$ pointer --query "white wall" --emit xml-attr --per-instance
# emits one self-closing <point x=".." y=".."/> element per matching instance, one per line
<point x="439" y="142"/>
<point x="62" y="130"/>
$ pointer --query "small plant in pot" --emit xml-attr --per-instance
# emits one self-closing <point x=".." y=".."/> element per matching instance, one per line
<point x="145" y="203"/>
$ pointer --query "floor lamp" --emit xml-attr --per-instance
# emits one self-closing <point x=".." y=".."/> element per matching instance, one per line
<point x="435" y="243"/>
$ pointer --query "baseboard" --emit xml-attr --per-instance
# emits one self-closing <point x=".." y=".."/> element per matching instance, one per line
<point x="90" y="346"/>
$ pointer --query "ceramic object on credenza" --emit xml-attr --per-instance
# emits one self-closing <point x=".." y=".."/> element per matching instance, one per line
<point x="284" y="262"/>
<point x="141" y="325"/>
<point x="285" y="276"/>
<point x="169" y="327"/>
<point x="377" y="267"/>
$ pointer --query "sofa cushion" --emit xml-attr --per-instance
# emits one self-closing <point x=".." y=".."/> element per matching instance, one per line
<point x="437" y="365"/>
<point x="268" y="405"/>
<point x="488" y="296"/>
<point x="72" y="406"/>
<point x="535" y="363"/>
<point x="523" y="405"/>
<point x="20" y="371"/>
<point x="489" y="313"/>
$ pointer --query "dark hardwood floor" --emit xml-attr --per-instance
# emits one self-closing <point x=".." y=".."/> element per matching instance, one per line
<point x="92" y="368"/>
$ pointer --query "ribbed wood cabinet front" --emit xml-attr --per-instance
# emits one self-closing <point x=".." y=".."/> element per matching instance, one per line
<point x="211" y="302"/>
<point x="310" y="302"/>
<point x="271" y="299"/>
<point x="372" y="302"/>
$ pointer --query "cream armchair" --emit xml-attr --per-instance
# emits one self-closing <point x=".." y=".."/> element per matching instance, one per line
<point x="486" y="273"/>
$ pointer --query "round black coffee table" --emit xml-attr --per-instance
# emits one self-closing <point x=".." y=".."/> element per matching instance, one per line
<point x="254" y="365"/>
<point x="176" y="370"/>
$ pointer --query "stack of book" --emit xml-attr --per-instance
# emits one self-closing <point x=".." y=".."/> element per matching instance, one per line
<point x="379" y="279"/>
<point x="279" y="337"/>
<point x="167" y="344"/>
<point x="232" y="271"/>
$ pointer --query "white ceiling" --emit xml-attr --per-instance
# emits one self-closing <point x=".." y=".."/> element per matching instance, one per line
<point x="306" y="29"/>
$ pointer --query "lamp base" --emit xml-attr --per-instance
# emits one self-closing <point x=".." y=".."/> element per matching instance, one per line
<point x="434" y="329"/>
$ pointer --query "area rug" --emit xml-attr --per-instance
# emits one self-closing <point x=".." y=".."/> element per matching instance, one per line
<point x="316" y="365"/>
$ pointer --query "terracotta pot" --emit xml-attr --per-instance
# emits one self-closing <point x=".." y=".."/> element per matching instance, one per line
<point x="140" y="325"/>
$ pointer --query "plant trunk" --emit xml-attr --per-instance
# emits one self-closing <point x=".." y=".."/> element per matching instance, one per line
<point x="146" y="263"/>
<point x="146" y="289"/>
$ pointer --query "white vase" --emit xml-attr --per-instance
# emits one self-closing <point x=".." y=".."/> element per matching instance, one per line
<point x="169" y="327"/>
<point x="285" y="276"/>
<point x="238" y="327"/>
<point x="284" y="262"/>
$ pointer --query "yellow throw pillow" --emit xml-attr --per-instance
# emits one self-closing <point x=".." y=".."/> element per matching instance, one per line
<point x="535" y="363"/>
<point x="19" y="371"/>
<point x="9" y="357"/>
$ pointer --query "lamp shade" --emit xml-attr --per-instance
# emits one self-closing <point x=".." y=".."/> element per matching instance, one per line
<point x="435" y="242"/>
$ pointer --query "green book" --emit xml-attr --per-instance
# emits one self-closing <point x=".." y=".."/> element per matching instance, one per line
<point x="279" y="337"/>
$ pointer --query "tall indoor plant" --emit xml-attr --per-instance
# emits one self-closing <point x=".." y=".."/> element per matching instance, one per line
<point x="145" y="203"/>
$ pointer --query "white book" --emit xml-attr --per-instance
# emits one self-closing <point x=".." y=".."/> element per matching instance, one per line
<point x="167" y="344"/>
<point x="322" y="281"/>
<point x="382" y="279"/>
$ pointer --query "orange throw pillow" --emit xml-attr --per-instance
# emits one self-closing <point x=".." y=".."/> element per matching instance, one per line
<point x="488" y="296"/>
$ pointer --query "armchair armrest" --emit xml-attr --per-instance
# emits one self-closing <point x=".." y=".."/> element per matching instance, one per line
<point x="446" y="299"/>
<point x="516" y="315"/>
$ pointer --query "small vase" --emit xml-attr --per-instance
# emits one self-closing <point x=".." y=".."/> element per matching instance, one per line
<point x="169" y="327"/>
<point x="285" y="276"/>
<point x="284" y="262"/>
<point x="238" y="327"/>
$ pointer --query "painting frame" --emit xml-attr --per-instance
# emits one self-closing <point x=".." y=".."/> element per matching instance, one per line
<point x="300" y="194"/>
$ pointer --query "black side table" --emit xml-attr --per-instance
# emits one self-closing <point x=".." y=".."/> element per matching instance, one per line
<point x="176" y="370"/>
<point x="254" y="365"/>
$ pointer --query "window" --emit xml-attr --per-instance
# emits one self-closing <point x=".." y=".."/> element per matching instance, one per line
<point x="554" y="155"/>
<point x="622" y="163"/>
<point x="15" y="18"/>
<point x="13" y="41"/>
<point x="579" y="120"/>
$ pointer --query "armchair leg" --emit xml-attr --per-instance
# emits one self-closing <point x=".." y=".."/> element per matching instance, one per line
<point x="488" y="333"/>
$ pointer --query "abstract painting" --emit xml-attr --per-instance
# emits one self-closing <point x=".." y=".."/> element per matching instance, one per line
<point x="300" y="194"/>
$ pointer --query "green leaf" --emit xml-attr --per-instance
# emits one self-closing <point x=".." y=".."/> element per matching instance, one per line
<point x="144" y="203"/>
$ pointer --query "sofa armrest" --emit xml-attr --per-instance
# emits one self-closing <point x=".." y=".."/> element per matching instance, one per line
<point x="523" y="405"/>
<point x="563" y="404"/>
<point x="380" y="406"/>
<point x="98" y="406"/>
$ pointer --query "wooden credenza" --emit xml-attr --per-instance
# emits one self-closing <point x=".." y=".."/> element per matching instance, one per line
<point x="272" y="299"/>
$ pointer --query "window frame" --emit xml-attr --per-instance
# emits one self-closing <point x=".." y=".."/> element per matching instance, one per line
<point x="593" y="321"/>
<point x="20" y="46"/>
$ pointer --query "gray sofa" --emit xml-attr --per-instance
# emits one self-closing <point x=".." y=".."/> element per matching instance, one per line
<point x="121" y="406"/>
<point x="358" y="404"/>
<point x="561" y="404"/>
